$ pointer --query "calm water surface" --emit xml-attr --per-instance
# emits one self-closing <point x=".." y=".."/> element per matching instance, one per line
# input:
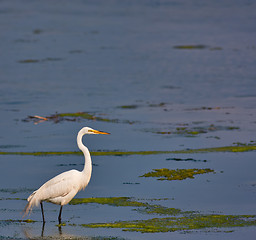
<point x="170" y="74"/>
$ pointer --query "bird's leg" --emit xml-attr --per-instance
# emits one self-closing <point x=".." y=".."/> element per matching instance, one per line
<point x="60" y="214"/>
<point x="42" y="209"/>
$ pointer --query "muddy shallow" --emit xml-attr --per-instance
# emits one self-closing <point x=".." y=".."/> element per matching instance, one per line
<point x="162" y="77"/>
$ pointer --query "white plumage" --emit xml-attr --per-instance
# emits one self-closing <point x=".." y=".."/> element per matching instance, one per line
<point x="62" y="188"/>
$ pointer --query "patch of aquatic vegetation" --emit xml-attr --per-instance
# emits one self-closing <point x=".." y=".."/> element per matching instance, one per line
<point x="245" y="148"/>
<point x="1" y="199"/>
<point x="185" y="160"/>
<point x="245" y="144"/>
<point x="142" y="207"/>
<point x="38" y="31"/>
<point x="15" y="190"/>
<point x="177" y="219"/>
<point x="50" y="59"/>
<point x="61" y="225"/>
<point x="147" y="104"/>
<point x="192" y="131"/>
<point x="133" y="106"/>
<point x="8" y="221"/>
<point x="237" y="148"/>
<point x="78" y="116"/>
<point x="42" y="153"/>
<point x="193" y="47"/>
<point x="112" y="201"/>
<point x="177" y="174"/>
<point x="207" y="108"/>
<point x="199" y="46"/>
<point x="84" y="115"/>
<point x="29" y="61"/>
<point x="182" y="223"/>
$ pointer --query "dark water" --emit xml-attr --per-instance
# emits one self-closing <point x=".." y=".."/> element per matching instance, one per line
<point x="153" y="67"/>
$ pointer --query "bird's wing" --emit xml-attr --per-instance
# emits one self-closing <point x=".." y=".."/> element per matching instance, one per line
<point x="59" y="186"/>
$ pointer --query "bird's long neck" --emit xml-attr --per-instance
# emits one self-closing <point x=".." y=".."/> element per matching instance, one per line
<point x="87" y="157"/>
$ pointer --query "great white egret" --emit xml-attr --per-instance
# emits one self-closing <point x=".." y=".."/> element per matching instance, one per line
<point x="62" y="188"/>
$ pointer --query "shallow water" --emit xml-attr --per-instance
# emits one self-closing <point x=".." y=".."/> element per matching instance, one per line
<point x="164" y="75"/>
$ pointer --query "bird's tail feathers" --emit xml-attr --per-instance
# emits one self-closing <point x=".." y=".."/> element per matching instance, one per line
<point x="32" y="201"/>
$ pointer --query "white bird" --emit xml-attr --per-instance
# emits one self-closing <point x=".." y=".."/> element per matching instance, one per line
<point x="62" y="188"/>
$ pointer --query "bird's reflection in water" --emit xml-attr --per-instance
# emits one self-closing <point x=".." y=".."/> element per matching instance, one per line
<point x="59" y="228"/>
<point x="42" y="232"/>
<point x="29" y="233"/>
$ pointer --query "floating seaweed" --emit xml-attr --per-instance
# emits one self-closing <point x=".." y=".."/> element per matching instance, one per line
<point x="191" y="47"/>
<point x="49" y="59"/>
<point x="176" y="220"/>
<point x="111" y="201"/>
<point x="37" y="31"/>
<point x="178" y="174"/>
<point x="203" y="108"/>
<point x="142" y="207"/>
<point x="147" y="104"/>
<point x="78" y="116"/>
<point x="16" y="190"/>
<point x="183" y="223"/>
<point x="189" y="131"/>
<point x="185" y="159"/>
<point x="129" y="106"/>
<point x="244" y="148"/>
<point x="17" y="221"/>
<point x="195" y="47"/>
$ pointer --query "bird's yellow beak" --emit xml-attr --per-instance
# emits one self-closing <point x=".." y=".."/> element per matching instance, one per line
<point x="98" y="132"/>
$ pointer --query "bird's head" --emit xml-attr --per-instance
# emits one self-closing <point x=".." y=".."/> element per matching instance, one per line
<point x="88" y="130"/>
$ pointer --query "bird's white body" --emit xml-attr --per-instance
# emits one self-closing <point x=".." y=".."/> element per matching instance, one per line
<point x="62" y="188"/>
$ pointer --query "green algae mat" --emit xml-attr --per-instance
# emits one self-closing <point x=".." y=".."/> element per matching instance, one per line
<point x="173" y="220"/>
<point x="178" y="174"/>
<point x="72" y="117"/>
<point x="172" y="224"/>
<point x="239" y="148"/>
